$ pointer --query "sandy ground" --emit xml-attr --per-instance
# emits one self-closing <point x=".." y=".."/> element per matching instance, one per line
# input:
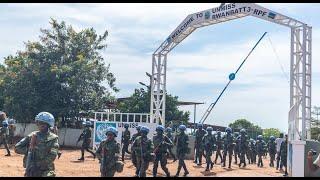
<point x="69" y="166"/>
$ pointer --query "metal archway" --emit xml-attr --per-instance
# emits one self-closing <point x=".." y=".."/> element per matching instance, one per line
<point x="300" y="65"/>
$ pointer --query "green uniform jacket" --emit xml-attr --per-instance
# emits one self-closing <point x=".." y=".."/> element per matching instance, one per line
<point x="46" y="151"/>
<point x="112" y="149"/>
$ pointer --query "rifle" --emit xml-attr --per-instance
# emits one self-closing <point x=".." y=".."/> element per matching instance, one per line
<point x="142" y="158"/>
<point x="157" y="148"/>
<point x="31" y="168"/>
<point x="104" y="163"/>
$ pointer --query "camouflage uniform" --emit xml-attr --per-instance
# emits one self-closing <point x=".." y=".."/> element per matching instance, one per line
<point x="219" y="147"/>
<point x="272" y="151"/>
<point x="208" y="142"/>
<point x="283" y="154"/>
<point x="4" y="133"/>
<point x="86" y="137"/>
<point x="142" y="147"/>
<point x="181" y="141"/>
<point x="125" y="140"/>
<point x="236" y="148"/>
<point x="169" y="135"/>
<point x="198" y="145"/>
<point x="260" y="151"/>
<point x="45" y="152"/>
<point x="243" y="148"/>
<point x="54" y="130"/>
<point x="253" y="151"/>
<point x="133" y="155"/>
<point x="11" y="128"/>
<point x="249" y="153"/>
<point x="108" y="149"/>
<point x="227" y="148"/>
<point x="161" y="144"/>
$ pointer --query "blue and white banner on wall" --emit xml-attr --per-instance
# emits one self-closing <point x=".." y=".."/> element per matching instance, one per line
<point x="100" y="128"/>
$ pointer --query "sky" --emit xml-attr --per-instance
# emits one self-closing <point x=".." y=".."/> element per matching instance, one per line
<point x="198" y="68"/>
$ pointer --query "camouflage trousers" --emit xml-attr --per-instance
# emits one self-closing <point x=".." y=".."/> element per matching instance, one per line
<point x="181" y="157"/>
<point x="142" y="166"/>
<point x="162" y="158"/>
<point x="260" y="163"/>
<point x="272" y="157"/>
<point x="4" y="142"/>
<point x="208" y="158"/>
<point x="125" y="150"/>
<point x="225" y="152"/>
<point x="46" y="173"/>
<point x="218" y="154"/>
<point x="108" y="171"/>
<point x="242" y="158"/>
<point x="198" y="155"/>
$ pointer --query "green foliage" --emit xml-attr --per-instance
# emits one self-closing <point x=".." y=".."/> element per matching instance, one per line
<point x="139" y="102"/>
<point x="252" y="130"/>
<point x="315" y="133"/>
<point x="270" y="132"/>
<point x="61" y="73"/>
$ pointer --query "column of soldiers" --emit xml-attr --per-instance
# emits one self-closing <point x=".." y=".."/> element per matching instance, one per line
<point x="40" y="148"/>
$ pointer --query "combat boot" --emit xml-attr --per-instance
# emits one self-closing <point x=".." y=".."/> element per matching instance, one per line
<point x="81" y="159"/>
<point x="211" y="166"/>
<point x="207" y="169"/>
<point x="185" y="174"/>
<point x="8" y="154"/>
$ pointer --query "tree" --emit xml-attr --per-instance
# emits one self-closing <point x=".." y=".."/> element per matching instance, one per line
<point x="270" y="132"/>
<point x="61" y="73"/>
<point x="252" y="130"/>
<point x="139" y="102"/>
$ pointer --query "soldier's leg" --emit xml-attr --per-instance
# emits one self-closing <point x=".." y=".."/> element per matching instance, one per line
<point x="200" y="156"/>
<point x="171" y="154"/>
<point x="179" y="165"/>
<point x="163" y="163"/>
<point x="138" y="166"/>
<point x="215" y="159"/>
<point x="184" y="167"/>
<point x="236" y="157"/>
<point x="91" y="152"/>
<point x="155" y="165"/>
<point x="144" y="167"/>
<point x="220" y="156"/>
<point x="82" y="153"/>
<point x="224" y="158"/>
<point x="7" y="148"/>
<point x="110" y="172"/>
<point x="230" y="158"/>
<point x="127" y="148"/>
<point x="133" y="158"/>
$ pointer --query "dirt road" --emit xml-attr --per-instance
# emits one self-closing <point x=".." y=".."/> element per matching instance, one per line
<point x="68" y="165"/>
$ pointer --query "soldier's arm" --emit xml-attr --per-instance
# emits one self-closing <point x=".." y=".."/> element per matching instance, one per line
<point x="150" y="146"/>
<point x="98" y="152"/>
<point x="168" y="141"/>
<point x="118" y="148"/>
<point x="22" y="146"/>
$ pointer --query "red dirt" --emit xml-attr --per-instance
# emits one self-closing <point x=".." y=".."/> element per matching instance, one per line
<point x="68" y="165"/>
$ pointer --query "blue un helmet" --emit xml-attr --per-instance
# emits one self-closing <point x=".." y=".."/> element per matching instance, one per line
<point x="11" y="121"/>
<point x="182" y="127"/>
<point x="5" y="123"/>
<point x="144" y="129"/>
<point x="259" y="137"/>
<point x="113" y="130"/>
<point x="138" y="127"/>
<point x="242" y="131"/>
<point x="88" y="123"/>
<point x="160" y="128"/>
<point x="46" y="118"/>
<point x="228" y="130"/>
<point x="126" y="126"/>
<point x="272" y="138"/>
<point x="199" y="125"/>
<point x="209" y="129"/>
<point x="219" y="133"/>
<point x="168" y="129"/>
